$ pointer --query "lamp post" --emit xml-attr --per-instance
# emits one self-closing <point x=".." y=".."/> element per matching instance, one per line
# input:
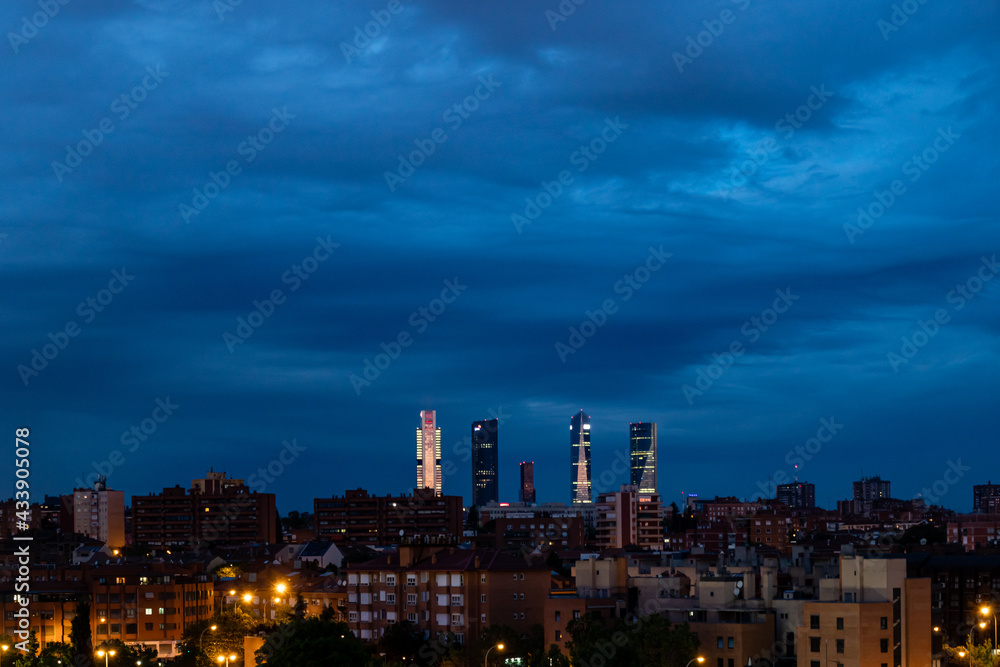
<point x="105" y="654"/>
<point x="699" y="660"/>
<point x="3" y="649"/>
<point x="226" y="658"/>
<point x="486" y="661"/>
<point x="986" y="611"/>
<point x="201" y="637"/>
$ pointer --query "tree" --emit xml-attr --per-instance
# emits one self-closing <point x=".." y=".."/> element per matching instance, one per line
<point x="555" y="658"/>
<point x="401" y="642"/>
<point x="472" y="521"/>
<point x="313" y="642"/>
<point x="55" y="654"/>
<point x="201" y="644"/>
<point x="973" y="655"/>
<point x="79" y="635"/>
<point x="128" y="654"/>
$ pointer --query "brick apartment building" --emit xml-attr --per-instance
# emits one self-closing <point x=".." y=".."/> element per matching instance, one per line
<point x="178" y="517"/>
<point x="445" y="590"/>
<point x="148" y="604"/>
<point x="360" y="519"/>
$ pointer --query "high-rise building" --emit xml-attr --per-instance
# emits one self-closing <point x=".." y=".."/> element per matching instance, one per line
<point x="579" y="458"/>
<point x="982" y="495"/>
<point x="871" y="488"/>
<point x="527" y="482"/>
<point x="800" y="495"/>
<point x="642" y="456"/>
<point x="98" y="513"/>
<point x="429" y="452"/>
<point x="484" y="462"/>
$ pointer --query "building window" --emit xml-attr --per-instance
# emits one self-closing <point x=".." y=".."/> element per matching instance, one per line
<point x="411" y="580"/>
<point x="840" y="646"/>
<point x="729" y="642"/>
<point x="576" y="613"/>
<point x="149" y="626"/>
<point x="558" y="616"/>
<point x="482" y="618"/>
<point x="411" y="617"/>
<point x="814" y="644"/>
<point x="352" y="616"/>
<point x="390" y="580"/>
<point x="482" y="597"/>
<point x="456" y="600"/>
<point x="840" y="623"/>
<point x="718" y="642"/>
<point x="411" y="598"/>
<point x="558" y="636"/>
<point x="390" y="598"/>
<point x="149" y="611"/>
<point x="102" y="628"/>
<point x="884" y="645"/>
<point x="814" y="622"/>
<point x="883" y="623"/>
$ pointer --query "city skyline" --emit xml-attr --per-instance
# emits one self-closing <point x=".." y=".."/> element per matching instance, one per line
<point x="263" y="240"/>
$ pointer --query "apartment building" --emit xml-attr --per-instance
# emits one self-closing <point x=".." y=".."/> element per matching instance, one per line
<point x="445" y="590"/>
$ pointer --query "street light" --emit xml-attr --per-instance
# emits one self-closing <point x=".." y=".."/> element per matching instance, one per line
<point x="226" y="658"/>
<point x="699" y="659"/>
<point x="486" y="661"/>
<point x="105" y="654"/>
<point x="3" y="649"/>
<point x="201" y="637"/>
<point x="986" y="611"/>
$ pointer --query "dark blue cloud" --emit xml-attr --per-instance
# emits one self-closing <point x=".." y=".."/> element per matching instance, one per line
<point x="748" y="163"/>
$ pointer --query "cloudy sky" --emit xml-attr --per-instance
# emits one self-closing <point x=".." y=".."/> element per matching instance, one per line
<point x="736" y="219"/>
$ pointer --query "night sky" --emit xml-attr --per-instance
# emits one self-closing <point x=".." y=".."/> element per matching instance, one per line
<point x="734" y="218"/>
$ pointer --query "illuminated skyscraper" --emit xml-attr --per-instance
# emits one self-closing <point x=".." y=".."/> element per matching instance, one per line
<point x="527" y="482"/>
<point x="429" y="452"/>
<point x="579" y="458"/>
<point x="484" y="462"/>
<point x="642" y="456"/>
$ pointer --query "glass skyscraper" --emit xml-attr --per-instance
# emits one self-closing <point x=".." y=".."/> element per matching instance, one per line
<point x="579" y="458"/>
<point x="484" y="462"/>
<point x="642" y="456"/>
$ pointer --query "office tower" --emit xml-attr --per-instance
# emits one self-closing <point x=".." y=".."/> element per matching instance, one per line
<point x="527" y="482"/>
<point x="484" y="462"/>
<point x="871" y="488"/>
<point x="799" y="495"/>
<point x="642" y="456"/>
<point x="579" y="458"/>
<point x="429" y="452"/>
